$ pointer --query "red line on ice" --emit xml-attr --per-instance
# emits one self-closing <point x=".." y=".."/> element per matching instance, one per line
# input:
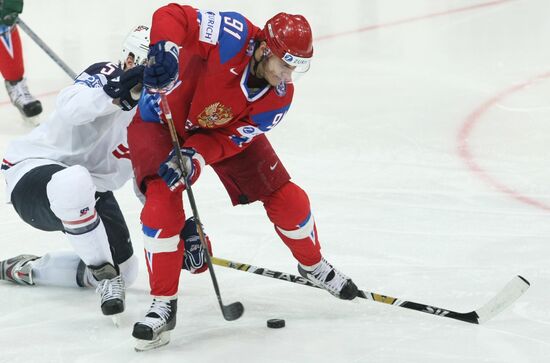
<point x="414" y="19"/>
<point x="466" y="130"/>
<point x="364" y="29"/>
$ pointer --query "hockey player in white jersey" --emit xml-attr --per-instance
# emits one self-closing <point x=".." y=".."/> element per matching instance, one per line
<point x="60" y="177"/>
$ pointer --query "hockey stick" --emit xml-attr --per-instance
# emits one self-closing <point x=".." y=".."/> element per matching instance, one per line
<point x="45" y="48"/>
<point x="510" y="293"/>
<point x="232" y="311"/>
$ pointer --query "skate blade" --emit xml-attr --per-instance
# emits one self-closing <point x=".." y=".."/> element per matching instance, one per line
<point x="116" y="320"/>
<point x="32" y="121"/>
<point x="145" y="345"/>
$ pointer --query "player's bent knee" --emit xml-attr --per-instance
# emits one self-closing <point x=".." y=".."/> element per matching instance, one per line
<point x="288" y="206"/>
<point x="163" y="208"/>
<point x="71" y="193"/>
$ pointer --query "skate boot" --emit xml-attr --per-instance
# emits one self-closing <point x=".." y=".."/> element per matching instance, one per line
<point x="22" y="99"/>
<point x="17" y="269"/>
<point x="111" y="288"/>
<point x="326" y="276"/>
<point x="154" y="331"/>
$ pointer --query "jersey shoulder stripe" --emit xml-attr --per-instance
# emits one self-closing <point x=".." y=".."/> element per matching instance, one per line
<point x="98" y="74"/>
<point x="233" y="35"/>
<point x="228" y="29"/>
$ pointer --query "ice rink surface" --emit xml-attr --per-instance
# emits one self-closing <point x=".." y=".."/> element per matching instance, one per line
<point x="422" y="135"/>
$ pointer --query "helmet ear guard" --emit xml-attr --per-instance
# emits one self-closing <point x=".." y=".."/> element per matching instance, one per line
<point x="136" y="44"/>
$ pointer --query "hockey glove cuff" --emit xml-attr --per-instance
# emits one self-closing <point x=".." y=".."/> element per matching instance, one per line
<point x="194" y="260"/>
<point x="149" y="107"/>
<point x="162" y="68"/>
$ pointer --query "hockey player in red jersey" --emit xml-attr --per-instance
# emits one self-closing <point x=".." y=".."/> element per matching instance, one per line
<point x="228" y="83"/>
<point x="11" y="60"/>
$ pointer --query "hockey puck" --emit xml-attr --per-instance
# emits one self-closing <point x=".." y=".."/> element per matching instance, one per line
<point x="276" y="323"/>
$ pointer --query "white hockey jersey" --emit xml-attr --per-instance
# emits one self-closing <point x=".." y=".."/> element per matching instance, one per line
<point x="85" y="129"/>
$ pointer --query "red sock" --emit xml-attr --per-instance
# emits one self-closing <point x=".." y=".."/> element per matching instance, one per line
<point x="288" y="208"/>
<point x="11" y="55"/>
<point x="162" y="219"/>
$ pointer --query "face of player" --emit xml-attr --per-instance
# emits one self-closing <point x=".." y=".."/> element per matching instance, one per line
<point x="276" y="71"/>
<point x="129" y="62"/>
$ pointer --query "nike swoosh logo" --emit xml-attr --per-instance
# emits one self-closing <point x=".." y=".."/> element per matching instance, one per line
<point x="232" y="70"/>
<point x="272" y="167"/>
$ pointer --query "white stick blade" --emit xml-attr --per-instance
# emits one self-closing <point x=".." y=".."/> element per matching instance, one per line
<point x="506" y="297"/>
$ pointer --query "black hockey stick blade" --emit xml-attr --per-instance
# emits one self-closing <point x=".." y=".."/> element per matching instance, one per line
<point x="232" y="311"/>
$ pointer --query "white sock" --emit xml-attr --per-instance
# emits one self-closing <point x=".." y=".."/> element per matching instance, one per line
<point x="93" y="246"/>
<point x="56" y="269"/>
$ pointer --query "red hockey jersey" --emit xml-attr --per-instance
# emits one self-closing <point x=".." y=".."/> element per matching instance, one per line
<point x="213" y="109"/>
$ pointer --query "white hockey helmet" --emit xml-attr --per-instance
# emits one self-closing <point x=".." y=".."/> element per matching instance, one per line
<point x="136" y="44"/>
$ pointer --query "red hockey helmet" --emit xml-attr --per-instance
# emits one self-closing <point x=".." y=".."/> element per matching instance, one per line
<point x="289" y="37"/>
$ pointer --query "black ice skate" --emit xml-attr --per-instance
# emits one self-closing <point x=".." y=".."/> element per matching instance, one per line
<point x="111" y="288"/>
<point x="22" y="99"/>
<point x="326" y="276"/>
<point x="18" y="269"/>
<point x="154" y="331"/>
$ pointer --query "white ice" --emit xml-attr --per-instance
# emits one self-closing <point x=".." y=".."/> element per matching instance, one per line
<point x="423" y="142"/>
